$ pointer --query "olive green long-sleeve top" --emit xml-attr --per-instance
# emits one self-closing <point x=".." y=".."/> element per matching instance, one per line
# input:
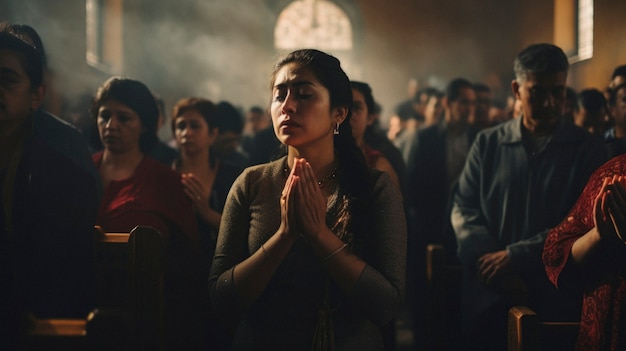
<point x="285" y="315"/>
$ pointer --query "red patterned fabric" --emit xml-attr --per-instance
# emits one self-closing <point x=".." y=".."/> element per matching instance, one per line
<point x="603" y="320"/>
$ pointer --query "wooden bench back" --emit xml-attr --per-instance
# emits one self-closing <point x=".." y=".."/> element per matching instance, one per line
<point x="129" y="271"/>
<point x="129" y="297"/>
<point x="527" y="332"/>
<point x="444" y="286"/>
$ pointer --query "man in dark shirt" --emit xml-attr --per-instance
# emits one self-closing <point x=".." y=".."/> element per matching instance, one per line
<point x="48" y="199"/>
<point x="521" y="178"/>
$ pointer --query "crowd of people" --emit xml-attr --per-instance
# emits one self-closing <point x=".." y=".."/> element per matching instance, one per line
<point x="304" y="225"/>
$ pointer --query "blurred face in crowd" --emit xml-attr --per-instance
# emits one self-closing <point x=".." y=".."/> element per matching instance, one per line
<point x="395" y="127"/>
<point x="192" y="133"/>
<point x="618" y="111"/>
<point x="617" y="80"/>
<point x="18" y="98"/>
<point x="589" y="121"/>
<point x="433" y="110"/>
<point x="483" y="106"/>
<point x="360" y="115"/>
<point x="300" y="108"/>
<point x="119" y="127"/>
<point x="460" y="110"/>
<point x="227" y="142"/>
<point x="256" y="121"/>
<point x="542" y="99"/>
<point x="420" y="104"/>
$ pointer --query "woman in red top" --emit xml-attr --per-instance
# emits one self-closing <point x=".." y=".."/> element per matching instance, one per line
<point x="587" y="251"/>
<point x="138" y="190"/>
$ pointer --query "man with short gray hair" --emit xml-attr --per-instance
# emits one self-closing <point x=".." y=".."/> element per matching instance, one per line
<point x="521" y="179"/>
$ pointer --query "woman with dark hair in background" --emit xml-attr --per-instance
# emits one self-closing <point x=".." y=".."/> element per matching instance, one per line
<point x="361" y="119"/>
<point x="591" y="111"/>
<point x="138" y="190"/>
<point x="205" y="179"/>
<point x="311" y="251"/>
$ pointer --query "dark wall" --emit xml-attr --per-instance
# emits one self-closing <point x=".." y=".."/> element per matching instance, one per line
<point x="435" y="41"/>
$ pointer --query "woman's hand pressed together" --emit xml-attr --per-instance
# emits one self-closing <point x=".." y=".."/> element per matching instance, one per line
<point x="310" y="201"/>
<point x="199" y="196"/>
<point x="287" y="207"/>
<point x="614" y="209"/>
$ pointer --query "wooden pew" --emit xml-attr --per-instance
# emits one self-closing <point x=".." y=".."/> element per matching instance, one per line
<point x="57" y="334"/>
<point x="129" y="285"/>
<point x="444" y="284"/>
<point x="527" y="332"/>
<point x="100" y="331"/>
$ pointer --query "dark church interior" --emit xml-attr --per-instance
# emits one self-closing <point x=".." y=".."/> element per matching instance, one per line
<point x="496" y="130"/>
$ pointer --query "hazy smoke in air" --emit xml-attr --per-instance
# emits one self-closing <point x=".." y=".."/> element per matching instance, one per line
<point x="223" y="49"/>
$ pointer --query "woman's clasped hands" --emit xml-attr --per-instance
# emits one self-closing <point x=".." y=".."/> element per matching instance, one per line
<point x="196" y="192"/>
<point x="303" y="203"/>
<point x="610" y="209"/>
<point x="199" y="196"/>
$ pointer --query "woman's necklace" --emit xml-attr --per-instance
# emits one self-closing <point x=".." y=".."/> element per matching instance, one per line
<point x="320" y="182"/>
<point x="332" y="175"/>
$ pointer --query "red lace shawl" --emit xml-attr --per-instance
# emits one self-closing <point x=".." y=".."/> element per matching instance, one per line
<point x="603" y="320"/>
